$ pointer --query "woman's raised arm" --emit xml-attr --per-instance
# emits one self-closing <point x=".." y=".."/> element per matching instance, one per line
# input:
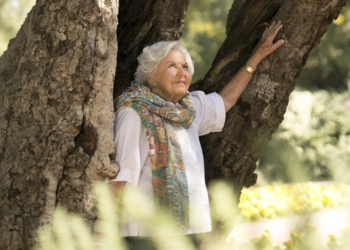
<point x="233" y="90"/>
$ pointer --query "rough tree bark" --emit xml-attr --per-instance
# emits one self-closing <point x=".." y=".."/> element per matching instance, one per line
<point x="56" y="114"/>
<point x="56" y="81"/>
<point x="232" y="154"/>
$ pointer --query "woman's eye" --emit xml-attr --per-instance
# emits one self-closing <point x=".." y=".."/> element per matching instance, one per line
<point x="172" y="65"/>
<point x="185" y="67"/>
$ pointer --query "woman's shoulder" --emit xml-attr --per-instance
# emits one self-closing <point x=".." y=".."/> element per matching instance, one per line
<point x="198" y="97"/>
<point x="210" y="112"/>
<point x="202" y="99"/>
<point x="127" y="114"/>
<point x="125" y="110"/>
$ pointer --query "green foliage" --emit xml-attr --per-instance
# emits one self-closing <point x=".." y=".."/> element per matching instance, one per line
<point x="69" y="231"/>
<point x="204" y="32"/>
<point x="313" y="141"/>
<point x="12" y="15"/>
<point x="328" y="66"/>
<point x="306" y="239"/>
<point x="262" y="242"/>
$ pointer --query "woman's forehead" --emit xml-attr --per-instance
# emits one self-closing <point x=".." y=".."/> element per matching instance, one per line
<point x="175" y="56"/>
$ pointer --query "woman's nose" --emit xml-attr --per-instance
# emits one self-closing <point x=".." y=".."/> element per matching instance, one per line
<point x="181" y="71"/>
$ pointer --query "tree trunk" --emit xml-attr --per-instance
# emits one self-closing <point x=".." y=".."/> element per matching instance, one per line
<point x="56" y="80"/>
<point x="232" y="154"/>
<point x="56" y="114"/>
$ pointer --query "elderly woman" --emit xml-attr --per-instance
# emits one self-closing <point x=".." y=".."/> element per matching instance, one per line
<point x="157" y="128"/>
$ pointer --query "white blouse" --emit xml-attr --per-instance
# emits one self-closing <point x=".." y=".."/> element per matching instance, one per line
<point x="135" y="166"/>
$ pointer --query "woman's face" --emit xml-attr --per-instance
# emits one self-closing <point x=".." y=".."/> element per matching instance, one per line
<point x="172" y="77"/>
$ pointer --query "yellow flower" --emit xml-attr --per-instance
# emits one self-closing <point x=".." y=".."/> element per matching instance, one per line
<point x="288" y="243"/>
<point x="332" y="237"/>
<point x="311" y="226"/>
<point x="340" y="20"/>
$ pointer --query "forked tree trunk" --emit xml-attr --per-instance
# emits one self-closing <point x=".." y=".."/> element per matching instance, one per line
<point x="56" y="114"/>
<point x="56" y="80"/>
<point x="232" y="154"/>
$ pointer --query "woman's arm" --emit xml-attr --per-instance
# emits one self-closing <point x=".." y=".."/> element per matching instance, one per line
<point x="233" y="90"/>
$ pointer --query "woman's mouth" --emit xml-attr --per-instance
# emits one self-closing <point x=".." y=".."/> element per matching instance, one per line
<point x="180" y="82"/>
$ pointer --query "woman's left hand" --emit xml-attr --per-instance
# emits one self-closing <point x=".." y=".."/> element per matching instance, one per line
<point x="232" y="91"/>
<point x="266" y="45"/>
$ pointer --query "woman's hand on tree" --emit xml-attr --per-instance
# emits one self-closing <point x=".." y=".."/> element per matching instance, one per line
<point x="266" y="45"/>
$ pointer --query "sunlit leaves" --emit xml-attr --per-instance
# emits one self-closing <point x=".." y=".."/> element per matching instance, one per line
<point x="328" y="65"/>
<point x="69" y="231"/>
<point x="313" y="141"/>
<point x="204" y="32"/>
<point x="12" y="15"/>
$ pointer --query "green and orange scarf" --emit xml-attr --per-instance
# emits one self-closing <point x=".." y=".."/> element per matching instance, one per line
<point x="169" y="180"/>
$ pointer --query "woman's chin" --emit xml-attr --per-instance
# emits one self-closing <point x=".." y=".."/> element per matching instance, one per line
<point x="180" y="89"/>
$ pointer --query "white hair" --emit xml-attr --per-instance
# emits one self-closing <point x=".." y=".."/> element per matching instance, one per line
<point x="152" y="55"/>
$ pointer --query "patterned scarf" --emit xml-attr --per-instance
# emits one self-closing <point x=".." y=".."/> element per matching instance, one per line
<point x="169" y="180"/>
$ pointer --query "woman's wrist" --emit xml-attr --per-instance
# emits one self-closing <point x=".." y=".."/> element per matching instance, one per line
<point x="253" y="61"/>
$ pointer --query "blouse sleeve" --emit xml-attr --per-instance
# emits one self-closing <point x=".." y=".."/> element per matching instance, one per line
<point x="210" y="112"/>
<point x="128" y="139"/>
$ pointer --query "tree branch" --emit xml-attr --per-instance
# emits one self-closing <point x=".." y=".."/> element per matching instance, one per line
<point x="232" y="154"/>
